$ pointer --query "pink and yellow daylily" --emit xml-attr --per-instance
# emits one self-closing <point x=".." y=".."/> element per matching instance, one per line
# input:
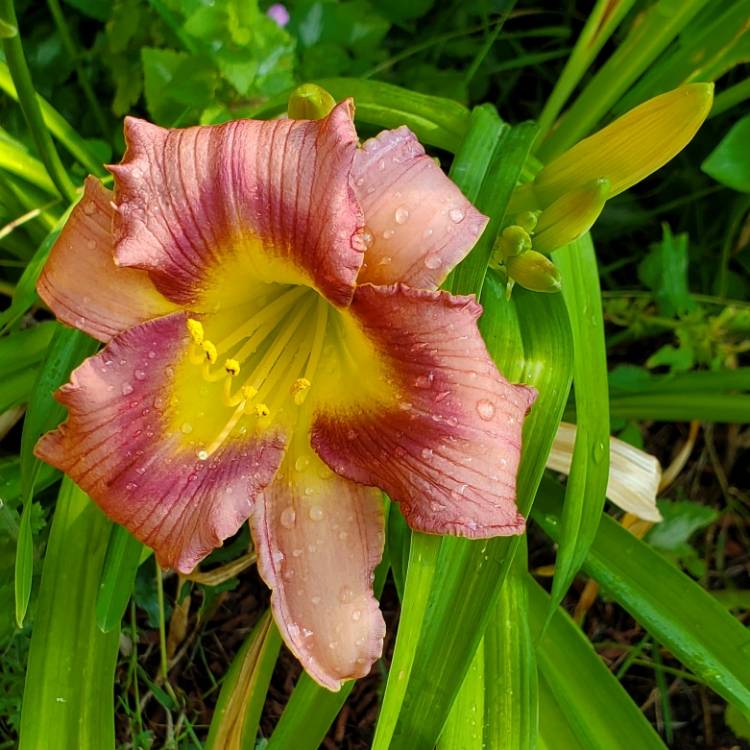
<point x="277" y="350"/>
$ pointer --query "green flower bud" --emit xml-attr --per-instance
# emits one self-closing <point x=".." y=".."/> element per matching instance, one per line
<point x="533" y="271"/>
<point x="310" y="102"/>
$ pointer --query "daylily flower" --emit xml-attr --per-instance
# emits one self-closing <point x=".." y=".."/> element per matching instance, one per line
<point x="276" y="349"/>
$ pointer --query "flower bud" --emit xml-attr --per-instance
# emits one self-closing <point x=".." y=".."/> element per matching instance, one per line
<point x="533" y="271"/>
<point x="514" y="240"/>
<point x="631" y="147"/>
<point x="570" y="216"/>
<point x="310" y="102"/>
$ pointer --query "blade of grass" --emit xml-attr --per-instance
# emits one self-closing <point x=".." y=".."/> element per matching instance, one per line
<point x="589" y="471"/>
<point x="647" y="39"/>
<point x="68" y="699"/>
<point x="19" y="72"/>
<point x="669" y="604"/>
<point x="603" y="19"/>
<point x="464" y="728"/>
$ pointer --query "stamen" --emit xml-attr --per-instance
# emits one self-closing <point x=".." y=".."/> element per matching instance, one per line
<point x="299" y="390"/>
<point x="224" y="434"/>
<point x="195" y="328"/>
<point x="210" y="351"/>
<point x="232" y="366"/>
<point x="270" y="312"/>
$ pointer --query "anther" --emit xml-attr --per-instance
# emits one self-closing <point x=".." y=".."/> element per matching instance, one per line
<point x="195" y="328"/>
<point x="248" y="392"/>
<point x="299" y="390"/>
<point x="210" y="351"/>
<point x="232" y="366"/>
<point x="262" y="410"/>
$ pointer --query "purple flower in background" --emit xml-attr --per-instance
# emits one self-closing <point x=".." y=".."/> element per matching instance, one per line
<point x="278" y="13"/>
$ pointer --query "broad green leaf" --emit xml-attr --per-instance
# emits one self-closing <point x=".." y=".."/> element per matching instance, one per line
<point x="67" y="349"/>
<point x="68" y="700"/>
<point x="234" y="725"/>
<point x="511" y="705"/>
<point x="589" y="471"/>
<point x="15" y="388"/>
<point x="729" y="162"/>
<point x="597" y="709"/>
<point x="120" y="565"/>
<point x="555" y="733"/>
<point x="24" y="349"/>
<point x="664" y="271"/>
<point x="696" y="628"/>
<point x="464" y="728"/>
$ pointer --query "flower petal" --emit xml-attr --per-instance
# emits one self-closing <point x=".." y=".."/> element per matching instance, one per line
<point x="248" y="200"/>
<point x="118" y="446"/>
<point x="319" y="538"/>
<point x="80" y="281"/>
<point x="448" y="451"/>
<point x="420" y="223"/>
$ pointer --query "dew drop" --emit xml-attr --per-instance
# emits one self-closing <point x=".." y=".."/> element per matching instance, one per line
<point x="343" y="535"/>
<point x="301" y="463"/>
<point x="427" y="233"/>
<point x="346" y="595"/>
<point x="367" y="237"/>
<point x="433" y="261"/>
<point x="91" y="244"/>
<point x="152" y="354"/>
<point x="356" y="615"/>
<point x="126" y="389"/>
<point x="426" y="453"/>
<point x="140" y="374"/>
<point x="315" y="600"/>
<point x="316" y="513"/>
<point x="89" y="208"/>
<point x="401" y="215"/>
<point x="130" y="486"/>
<point x="202" y="455"/>
<point x="388" y="234"/>
<point x="186" y="428"/>
<point x="457" y="215"/>
<point x="485" y="409"/>
<point x="288" y="517"/>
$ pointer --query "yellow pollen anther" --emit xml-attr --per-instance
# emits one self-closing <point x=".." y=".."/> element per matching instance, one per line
<point x="299" y="390"/>
<point x="195" y="328"/>
<point x="210" y="351"/>
<point x="232" y="366"/>
<point x="261" y="410"/>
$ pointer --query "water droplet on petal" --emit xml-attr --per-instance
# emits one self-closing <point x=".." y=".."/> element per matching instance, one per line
<point x="457" y="215"/>
<point x="140" y="375"/>
<point x="485" y="409"/>
<point x="126" y="389"/>
<point x="202" y="455"/>
<point x="316" y="513"/>
<point x="301" y="463"/>
<point x="186" y="428"/>
<point x="288" y="517"/>
<point x="356" y="615"/>
<point x="345" y="595"/>
<point x="89" y="208"/>
<point x="367" y="237"/>
<point x="315" y="600"/>
<point x="426" y="453"/>
<point x="388" y="234"/>
<point x="433" y="261"/>
<point x="401" y="215"/>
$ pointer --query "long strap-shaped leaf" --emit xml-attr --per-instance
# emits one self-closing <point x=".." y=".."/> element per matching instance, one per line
<point x="669" y="604"/>
<point x="589" y="471"/>
<point x="68" y="700"/>
<point x="597" y="708"/>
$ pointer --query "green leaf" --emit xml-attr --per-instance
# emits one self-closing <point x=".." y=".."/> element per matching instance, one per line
<point x="729" y="162"/>
<point x="555" y="732"/>
<point x="589" y="471"/>
<point x="464" y="728"/>
<point x="597" y="709"/>
<point x="68" y="700"/>
<point x="117" y="581"/>
<point x="664" y="271"/>
<point x="234" y="725"/>
<point x="696" y="628"/>
<point x="175" y="83"/>
<point x="25" y="348"/>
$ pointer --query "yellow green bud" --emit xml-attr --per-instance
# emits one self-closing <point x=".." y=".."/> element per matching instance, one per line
<point x="513" y="241"/>
<point x="631" y="147"/>
<point x="570" y="216"/>
<point x="310" y="102"/>
<point x="533" y="271"/>
<point x="528" y="220"/>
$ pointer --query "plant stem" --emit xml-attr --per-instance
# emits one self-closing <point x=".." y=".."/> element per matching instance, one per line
<point x="70" y="47"/>
<point x="729" y="97"/>
<point x="163" y="634"/>
<point x="21" y="76"/>
<point x="600" y="25"/>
